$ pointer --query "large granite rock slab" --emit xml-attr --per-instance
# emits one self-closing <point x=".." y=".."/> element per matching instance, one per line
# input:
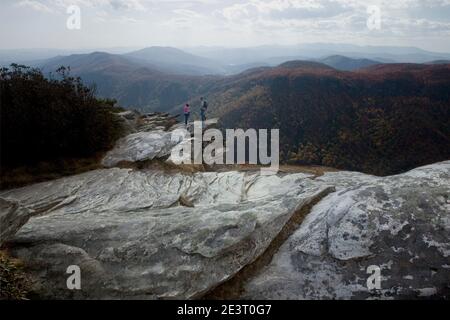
<point x="154" y="235"/>
<point x="132" y="238"/>
<point x="153" y="141"/>
<point x="140" y="146"/>
<point x="13" y="216"/>
<point x="400" y="224"/>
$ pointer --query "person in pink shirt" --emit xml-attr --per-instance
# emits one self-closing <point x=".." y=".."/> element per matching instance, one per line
<point x="187" y="112"/>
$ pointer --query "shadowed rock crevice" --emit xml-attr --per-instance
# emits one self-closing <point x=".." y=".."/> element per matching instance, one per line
<point x="234" y="287"/>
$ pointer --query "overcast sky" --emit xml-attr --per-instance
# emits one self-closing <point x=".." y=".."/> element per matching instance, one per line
<point x="139" y="23"/>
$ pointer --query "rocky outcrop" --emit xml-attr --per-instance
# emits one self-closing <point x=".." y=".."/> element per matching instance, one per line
<point x="12" y="217"/>
<point x="399" y="224"/>
<point x="140" y="146"/>
<point x="154" y="138"/>
<point x="146" y="138"/>
<point x="151" y="234"/>
<point x="132" y="239"/>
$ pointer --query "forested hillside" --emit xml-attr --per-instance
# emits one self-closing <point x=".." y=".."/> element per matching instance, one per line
<point x="381" y="120"/>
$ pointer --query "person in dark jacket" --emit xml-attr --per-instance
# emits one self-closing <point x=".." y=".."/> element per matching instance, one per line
<point x="203" y="109"/>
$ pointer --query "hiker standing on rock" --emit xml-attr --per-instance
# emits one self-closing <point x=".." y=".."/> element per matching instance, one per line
<point x="187" y="113"/>
<point x="203" y="109"/>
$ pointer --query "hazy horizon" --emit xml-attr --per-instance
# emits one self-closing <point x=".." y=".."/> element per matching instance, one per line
<point x="125" y="49"/>
<point x="42" y="24"/>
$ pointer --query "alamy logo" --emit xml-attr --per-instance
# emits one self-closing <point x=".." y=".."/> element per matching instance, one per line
<point x="374" y="280"/>
<point x="74" y="280"/>
<point x="236" y="151"/>
<point x="374" y="20"/>
<point x="74" y="20"/>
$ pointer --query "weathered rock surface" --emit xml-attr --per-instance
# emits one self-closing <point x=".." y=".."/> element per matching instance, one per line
<point x="13" y="216"/>
<point x="148" y="234"/>
<point x="400" y="224"/>
<point x="127" y="232"/>
<point x="152" y="141"/>
<point x="140" y="146"/>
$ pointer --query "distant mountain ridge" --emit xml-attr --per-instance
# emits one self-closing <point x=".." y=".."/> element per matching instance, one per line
<point x="225" y="61"/>
<point x="309" y="51"/>
<point x="304" y="65"/>
<point x="172" y="60"/>
<point x="439" y="62"/>
<point x="133" y="84"/>
<point x="348" y="64"/>
<point x="96" y="61"/>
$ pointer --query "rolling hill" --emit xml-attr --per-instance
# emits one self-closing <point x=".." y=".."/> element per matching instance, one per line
<point x="93" y="62"/>
<point x="175" y="61"/>
<point x="382" y="119"/>
<point x="134" y="84"/>
<point x="439" y="62"/>
<point x="347" y="64"/>
<point x="307" y="51"/>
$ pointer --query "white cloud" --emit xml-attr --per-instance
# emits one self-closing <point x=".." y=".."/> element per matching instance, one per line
<point x="35" y="5"/>
<point x="340" y="16"/>
<point x="188" y="13"/>
<point x="137" y="5"/>
<point x="125" y="5"/>
<point x="248" y="22"/>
